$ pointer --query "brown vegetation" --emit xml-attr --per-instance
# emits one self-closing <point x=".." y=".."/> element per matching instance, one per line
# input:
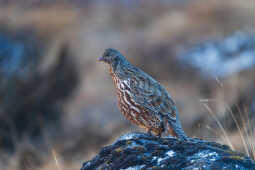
<point x="88" y="115"/>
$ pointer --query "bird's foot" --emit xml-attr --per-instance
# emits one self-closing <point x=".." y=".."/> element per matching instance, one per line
<point x="148" y="131"/>
<point x="159" y="135"/>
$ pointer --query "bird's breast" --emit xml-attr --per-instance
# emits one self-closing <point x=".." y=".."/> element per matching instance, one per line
<point x="125" y="99"/>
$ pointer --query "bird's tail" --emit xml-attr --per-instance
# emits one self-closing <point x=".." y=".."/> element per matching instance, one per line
<point x="178" y="132"/>
<point x="174" y="128"/>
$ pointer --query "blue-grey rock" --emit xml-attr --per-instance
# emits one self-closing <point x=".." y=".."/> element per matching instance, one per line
<point x="141" y="151"/>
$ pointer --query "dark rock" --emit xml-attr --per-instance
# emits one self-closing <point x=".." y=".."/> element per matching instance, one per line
<point x="31" y="95"/>
<point x="141" y="151"/>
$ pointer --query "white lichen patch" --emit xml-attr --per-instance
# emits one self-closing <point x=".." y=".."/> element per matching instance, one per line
<point x="131" y="136"/>
<point x="205" y="156"/>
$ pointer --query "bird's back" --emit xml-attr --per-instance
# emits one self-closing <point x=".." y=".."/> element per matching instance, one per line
<point x="147" y="92"/>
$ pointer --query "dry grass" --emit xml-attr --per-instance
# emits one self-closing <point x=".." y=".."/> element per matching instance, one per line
<point x="56" y="159"/>
<point x="244" y="128"/>
<point x="46" y="21"/>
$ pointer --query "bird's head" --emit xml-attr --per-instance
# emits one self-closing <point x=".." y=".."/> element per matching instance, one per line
<point x="111" y="56"/>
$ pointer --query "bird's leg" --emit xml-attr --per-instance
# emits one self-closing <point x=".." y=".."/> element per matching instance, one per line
<point x="165" y="124"/>
<point x="159" y="134"/>
<point x="169" y="129"/>
<point x="148" y="131"/>
<point x="162" y="129"/>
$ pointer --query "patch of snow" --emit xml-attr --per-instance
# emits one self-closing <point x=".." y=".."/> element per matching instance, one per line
<point x="208" y="155"/>
<point x="170" y="137"/>
<point x="154" y="158"/>
<point x="131" y="136"/>
<point x="137" y="167"/>
<point x="196" y="168"/>
<point x="237" y="167"/>
<point x="203" y="157"/>
<point x="87" y="164"/>
<point x="170" y="153"/>
<point x="160" y="159"/>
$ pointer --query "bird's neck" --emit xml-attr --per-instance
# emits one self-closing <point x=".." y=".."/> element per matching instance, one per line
<point x="117" y="68"/>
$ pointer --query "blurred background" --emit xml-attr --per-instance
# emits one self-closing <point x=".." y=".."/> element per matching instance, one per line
<point x="58" y="105"/>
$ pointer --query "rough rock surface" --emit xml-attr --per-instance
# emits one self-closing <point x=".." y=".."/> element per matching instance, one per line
<point x="141" y="151"/>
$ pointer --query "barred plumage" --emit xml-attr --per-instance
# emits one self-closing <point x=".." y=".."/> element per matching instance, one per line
<point x="141" y="99"/>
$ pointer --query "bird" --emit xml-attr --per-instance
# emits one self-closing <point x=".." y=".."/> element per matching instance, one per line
<point x="142" y="99"/>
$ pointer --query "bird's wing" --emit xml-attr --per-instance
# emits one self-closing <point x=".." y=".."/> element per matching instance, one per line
<point x="150" y="94"/>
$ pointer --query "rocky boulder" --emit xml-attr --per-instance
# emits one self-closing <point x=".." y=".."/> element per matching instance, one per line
<point x="141" y="151"/>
